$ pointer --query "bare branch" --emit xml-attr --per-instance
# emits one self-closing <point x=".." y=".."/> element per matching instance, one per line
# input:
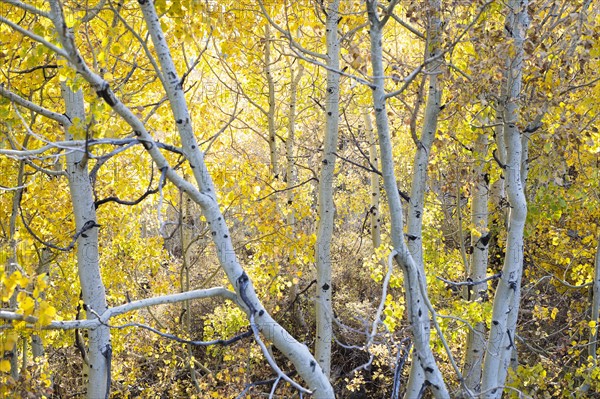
<point x="126" y="308"/>
<point x="407" y="80"/>
<point x="388" y="12"/>
<point x="33" y="69"/>
<point x="293" y="44"/>
<point x="469" y="283"/>
<point x="33" y="36"/>
<point x="271" y="361"/>
<point x="125" y="202"/>
<point x="408" y="27"/>
<point x="386" y="282"/>
<point x="143" y="44"/>
<point x="222" y="342"/>
<point x="90" y="224"/>
<point x="328" y="68"/>
<point x="27" y="7"/>
<point x="287" y="188"/>
<point x="92" y="12"/>
<point x="60" y="118"/>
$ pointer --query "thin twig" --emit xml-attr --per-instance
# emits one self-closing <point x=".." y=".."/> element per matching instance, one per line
<point x="470" y="283"/>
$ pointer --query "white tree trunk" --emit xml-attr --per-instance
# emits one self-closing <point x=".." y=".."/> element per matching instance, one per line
<point x="430" y="120"/>
<point x="291" y="181"/>
<point x="203" y="194"/>
<point x="501" y="342"/>
<point x="420" y="166"/>
<point x="498" y="190"/>
<point x="290" y="144"/>
<point x="323" y="307"/>
<point x="374" y="200"/>
<point x="478" y="266"/>
<point x="271" y="111"/>
<point x="418" y="312"/>
<point x="92" y="287"/>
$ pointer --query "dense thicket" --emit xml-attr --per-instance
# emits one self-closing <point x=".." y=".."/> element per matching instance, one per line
<point x="352" y="198"/>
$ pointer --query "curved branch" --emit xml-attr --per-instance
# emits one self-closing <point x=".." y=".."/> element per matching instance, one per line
<point x="27" y="7"/>
<point x="125" y="202"/>
<point x="60" y="118"/>
<point x="128" y="307"/>
<point x="90" y="224"/>
<point x="470" y="283"/>
<point x="33" y="36"/>
<point x="222" y="342"/>
<point x="271" y="361"/>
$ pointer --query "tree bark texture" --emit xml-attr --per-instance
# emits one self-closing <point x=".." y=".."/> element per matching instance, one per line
<point x="501" y="342"/>
<point x="418" y="312"/>
<point x="324" y="312"/>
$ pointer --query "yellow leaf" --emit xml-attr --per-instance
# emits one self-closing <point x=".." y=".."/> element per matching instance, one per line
<point x="26" y="304"/>
<point x="23" y="281"/>
<point x="592" y="323"/>
<point x="70" y="20"/>
<point x="40" y="285"/>
<point x="8" y="341"/>
<point x="47" y="313"/>
<point x="7" y="289"/>
<point x="5" y="366"/>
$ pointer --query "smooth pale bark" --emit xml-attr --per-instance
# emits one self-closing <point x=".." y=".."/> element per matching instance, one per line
<point x="501" y="342"/>
<point x="92" y="288"/>
<point x="271" y="111"/>
<point x="203" y="193"/>
<point x="478" y="265"/>
<point x="418" y="312"/>
<point x="291" y="169"/>
<point x="374" y="200"/>
<point x="498" y="189"/>
<point x="430" y="121"/>
<point x="323" y="309"/>
<point x="291" y="181"/>
<point x="420" y="167"/>
<point x="90" y="324"/>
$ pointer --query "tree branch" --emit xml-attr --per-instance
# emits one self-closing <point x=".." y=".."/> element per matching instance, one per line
<point x="128" y="307"/>
<point x="288" y="35"/>
<point x="27" y="7"/>
<point x="60" y="118"/>
<point x="470" y="283"/>
<point x="33" y="36"/>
